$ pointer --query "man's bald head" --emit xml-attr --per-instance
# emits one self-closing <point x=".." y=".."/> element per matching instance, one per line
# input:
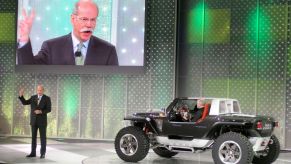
<point x="40" y="89"/>
<point x="84" y="4"/>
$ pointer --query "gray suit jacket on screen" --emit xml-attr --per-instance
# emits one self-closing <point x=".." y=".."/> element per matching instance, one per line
<point x="59" y="51"/>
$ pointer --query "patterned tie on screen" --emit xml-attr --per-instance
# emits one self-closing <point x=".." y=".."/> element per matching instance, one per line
<point x="79" y="59"/>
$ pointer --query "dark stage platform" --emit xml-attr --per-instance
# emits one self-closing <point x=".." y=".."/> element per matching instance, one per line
<point x="14" y="150"/>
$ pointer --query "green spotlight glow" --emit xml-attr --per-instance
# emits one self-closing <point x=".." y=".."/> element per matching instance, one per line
<point x="196" y="23"/>
<point x="89" y="123"/>
<point x="259" y="25"/>
<point x="70" y="98"/>
<point x="7" y="104"/>
<point x="253" y="26"/>
<point x="70" y="95"/>
<point x="7" y="32"/>
<point x="208" y="25"/>
<point x="273" y="20"/>
<point x="217" y="26"/>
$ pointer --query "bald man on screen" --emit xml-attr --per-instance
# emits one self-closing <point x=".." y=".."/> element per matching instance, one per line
<point x="79" y="47"/>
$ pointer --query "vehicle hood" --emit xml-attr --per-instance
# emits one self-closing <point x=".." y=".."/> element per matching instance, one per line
<point x="147" y="114"/>
<point x="247" y="117"/>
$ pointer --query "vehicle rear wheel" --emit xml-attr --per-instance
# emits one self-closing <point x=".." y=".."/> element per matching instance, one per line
<point x="271" y="153"/>
<point x="164" y="152"/>
<point x="131" y="144"/>
<point x="232" y="148"/>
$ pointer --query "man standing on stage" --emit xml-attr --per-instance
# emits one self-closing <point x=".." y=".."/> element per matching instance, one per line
<point x="40" y="106"/>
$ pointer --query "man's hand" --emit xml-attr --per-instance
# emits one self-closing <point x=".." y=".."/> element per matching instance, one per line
<point x="38" y="111"/>
<point x="25" y="25"/>
<point x="21" y="92"/>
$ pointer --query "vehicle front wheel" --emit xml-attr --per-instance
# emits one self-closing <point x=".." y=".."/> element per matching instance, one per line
<point x="232" y="148"/>
<point x="271" y="153"/>
<point x="163" y="152"/>
<point x="131" y="144"/>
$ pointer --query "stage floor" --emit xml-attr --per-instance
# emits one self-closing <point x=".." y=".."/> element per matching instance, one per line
<point x="14" y="150"/>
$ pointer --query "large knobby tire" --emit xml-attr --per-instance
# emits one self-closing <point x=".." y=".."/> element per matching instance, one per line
<point x="271" y="153"/>
<point x="131" y="144"/>
<point x="163" y="152"/>
<point x="232" y="148"/>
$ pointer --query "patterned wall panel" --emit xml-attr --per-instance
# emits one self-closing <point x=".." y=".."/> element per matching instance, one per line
<point x="162" y="59"/>
<point x="216" y="48"/>
<point x="272" y="61"/>
<point x="68" y="123"/>
<point x="21" y="113"/>
<point x="161" y="48"/>
<point x="6" y="102"/>
<point x="215" y="70"/>
<point x="160" y="39"/>
<point x="243" y="61"/>
<point x="162" y="71"/>
<point x="287" y="117"/>
<point x="7" y="18"/>
<point x="245" y="57"/>
<point x="162" y="91"/>
<point x="91" y="92"/>
<point x="7" y="49"/>
<point x="115" y="88"/>
<point x="138" y="97"/>
<point x="91" y="121"/>
<point x="271" y="83"/>
<point x="68" y="106"/>
<point x="52" y="122"/>
<point x="7" y="36"/>
<point x="115" y="104"/>
<point x="7" y="61"/>
<point x="113" y="121"/>
<point x="190" y="49"/>
<point x="192" y="68"/>
<point x="242" y="84"/>
<point x="160" y="25"/>
<point x="288" y="111"/>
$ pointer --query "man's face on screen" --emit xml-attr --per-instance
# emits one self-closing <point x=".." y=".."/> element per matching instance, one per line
<point x="84" y="21"/>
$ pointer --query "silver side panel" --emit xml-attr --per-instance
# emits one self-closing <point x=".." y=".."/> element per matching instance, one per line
<point x="195" y="143"/>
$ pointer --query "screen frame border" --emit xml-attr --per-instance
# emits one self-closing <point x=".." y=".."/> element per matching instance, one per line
<point x="86" y="69"/>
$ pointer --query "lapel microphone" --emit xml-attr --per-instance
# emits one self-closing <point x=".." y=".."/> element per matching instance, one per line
<point x="78" y="54"/>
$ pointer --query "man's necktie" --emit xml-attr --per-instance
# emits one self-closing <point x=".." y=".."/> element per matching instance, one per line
<point x="38" y="99"/>
<point x="79" y="59"/>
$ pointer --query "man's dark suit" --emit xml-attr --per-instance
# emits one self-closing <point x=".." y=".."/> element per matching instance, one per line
<point x="38" y="121"/>
<point x="59" y="51"/>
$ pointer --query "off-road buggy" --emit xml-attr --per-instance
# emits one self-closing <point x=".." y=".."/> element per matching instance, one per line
<point x="233" y="137"/>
